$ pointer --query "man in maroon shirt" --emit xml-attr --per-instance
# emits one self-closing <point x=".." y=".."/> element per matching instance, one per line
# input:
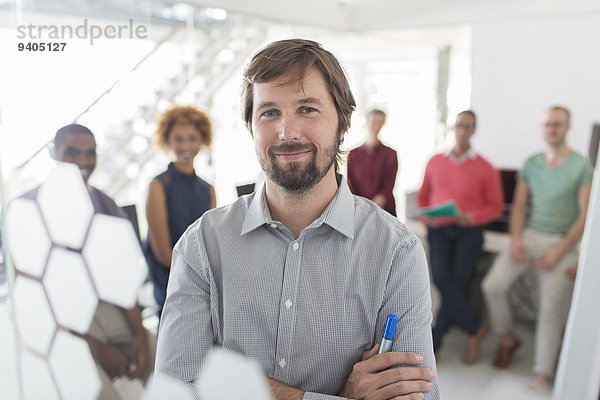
<point x="462" y="175"/>
<point x="372" y="167"/>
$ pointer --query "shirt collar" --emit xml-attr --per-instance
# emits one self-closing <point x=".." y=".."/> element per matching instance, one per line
<point x="339" y="213"/>
<point x="469" y="155"/>
<point x="258" y="211"/>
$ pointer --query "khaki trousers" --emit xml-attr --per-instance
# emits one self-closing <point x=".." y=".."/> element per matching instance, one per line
<point x="110" y="326"/>
<point x="555" y="291"/>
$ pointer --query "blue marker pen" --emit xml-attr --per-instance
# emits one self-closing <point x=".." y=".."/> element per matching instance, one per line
<point x="389" y="331"/>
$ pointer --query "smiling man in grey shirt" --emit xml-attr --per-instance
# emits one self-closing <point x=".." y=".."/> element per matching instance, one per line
<point x="301" y="275"/>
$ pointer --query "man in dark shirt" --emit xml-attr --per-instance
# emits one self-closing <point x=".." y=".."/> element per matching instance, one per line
<point x="119" y="343"/>
<point x="372" y="167"/>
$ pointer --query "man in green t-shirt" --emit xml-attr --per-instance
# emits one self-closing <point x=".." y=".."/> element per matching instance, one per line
<point x="556" y="184"/>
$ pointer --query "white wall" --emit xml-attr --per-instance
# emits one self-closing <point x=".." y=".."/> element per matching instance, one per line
<point x="521" y="67"/>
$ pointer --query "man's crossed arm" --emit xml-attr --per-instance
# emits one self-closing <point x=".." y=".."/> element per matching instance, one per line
<point x="373" y="378"/>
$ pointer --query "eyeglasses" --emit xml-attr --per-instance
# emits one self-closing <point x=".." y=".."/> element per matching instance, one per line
<point x="553" y="124"/>
<point x="466" y="127"/>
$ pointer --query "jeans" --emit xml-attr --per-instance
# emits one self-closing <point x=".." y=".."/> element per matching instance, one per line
<point x="454" y="252"/>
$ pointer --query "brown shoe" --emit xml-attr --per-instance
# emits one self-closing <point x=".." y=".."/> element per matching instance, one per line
<point x="504" y="354"/>
<point x="473" y="342"/>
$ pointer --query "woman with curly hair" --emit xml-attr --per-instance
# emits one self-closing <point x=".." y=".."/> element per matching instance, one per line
<point x="177" y="197"/>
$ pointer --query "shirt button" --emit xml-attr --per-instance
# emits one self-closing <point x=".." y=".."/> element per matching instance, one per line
<point x="295" y="245"/>
<point x="288" y="304"/>
<point x="282" y="363"/>
<point x="273" y="225"/>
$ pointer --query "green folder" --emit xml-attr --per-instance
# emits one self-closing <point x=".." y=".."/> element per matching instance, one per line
<point x="447" y="209"/>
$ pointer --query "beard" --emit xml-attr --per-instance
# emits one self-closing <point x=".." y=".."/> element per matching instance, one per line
<point x="299" y="177"/>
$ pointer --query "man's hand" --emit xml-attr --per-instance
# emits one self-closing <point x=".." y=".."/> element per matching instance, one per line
<point x="139" y="355"/>
<point x="370" y="379"/>
<point x="518" y="251"/>
<point x="110" y="358"/>
<point x="463" y="219"/>
<point x="430" y="222"/>
<point x="547" y="260"/>
<point x="571" y="272"/>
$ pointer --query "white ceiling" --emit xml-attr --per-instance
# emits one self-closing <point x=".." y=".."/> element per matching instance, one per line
<point x="363" y="15"/>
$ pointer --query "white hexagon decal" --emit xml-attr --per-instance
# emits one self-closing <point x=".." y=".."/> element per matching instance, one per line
<point x="9" y="375"/>
<point x="33" y="315"/>
<point x="115" y="258"/>
<point x="164" y="387"/>
<point x="66" y="205"/>
<point x="220" y="363"/>
<point x="70" y="290"/>
<point x="74" y="368"/>
<point x="36" y="379"/>
<point x="27" y="239"/>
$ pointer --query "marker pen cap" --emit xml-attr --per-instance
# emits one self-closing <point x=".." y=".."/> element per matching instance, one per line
<point x="390" y="327"/>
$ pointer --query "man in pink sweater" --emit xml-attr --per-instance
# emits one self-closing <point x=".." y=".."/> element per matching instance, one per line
<point x="455" y="243"/>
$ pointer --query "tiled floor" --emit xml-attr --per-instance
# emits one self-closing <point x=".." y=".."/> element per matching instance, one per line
<point x="481" y="381"/>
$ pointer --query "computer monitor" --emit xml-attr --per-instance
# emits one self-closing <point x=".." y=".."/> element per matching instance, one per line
<point x="244" y="189"/>
<point x="509" y="181"/>
<point x="131" y="212"/>
<point x="508" y="178"/>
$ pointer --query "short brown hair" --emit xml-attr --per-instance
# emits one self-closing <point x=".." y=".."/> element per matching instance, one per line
<point x="298" y="56"/>
<point x="563" y="109"/>
<point x="183" y="115"/>
<point x="377" y="111"/>
<point x="472" y="114"/>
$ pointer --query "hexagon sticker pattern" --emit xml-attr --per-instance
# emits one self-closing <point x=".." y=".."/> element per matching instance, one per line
<point x="36" y="380"/>
<point x="66" y="205"/>
<point x="74" y="368"/>
<point x="164" y="387"/>
<point x="70" y="291"/>
<point x="9" y="373"/>
<point x="28" y="241"/>
<point x="220" y="364"/>
<point x="33" y="315"/>
<point x="116" y="265"/>
<point x="115" y="258"/>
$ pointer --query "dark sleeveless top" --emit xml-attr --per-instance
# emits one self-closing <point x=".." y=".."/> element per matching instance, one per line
<point x="188" y="197"/>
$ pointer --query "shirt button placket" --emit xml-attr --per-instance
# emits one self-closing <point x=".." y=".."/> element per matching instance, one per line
<point x="286" y="317"/>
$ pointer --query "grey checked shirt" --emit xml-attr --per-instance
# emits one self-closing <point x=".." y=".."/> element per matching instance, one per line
<point x="304" y="308"/>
